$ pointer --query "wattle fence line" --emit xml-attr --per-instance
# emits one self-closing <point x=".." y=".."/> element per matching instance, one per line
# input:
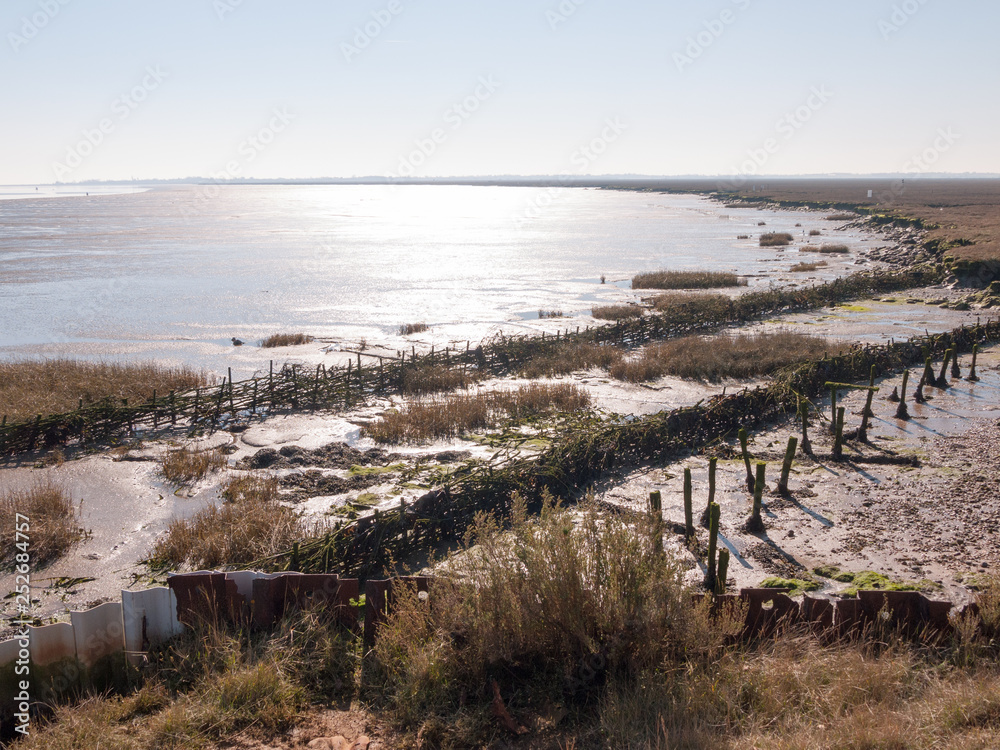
<point x="367" y="545"/>
<point x="298" y="387"/>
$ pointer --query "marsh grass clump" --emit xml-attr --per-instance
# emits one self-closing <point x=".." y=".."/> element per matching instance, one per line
<point x="532" y="609"/>
<point x="617" y="312"/>
<point x="52" y="522"/>
<point x="568" y="358"/>
<point x="842" y="216"/>
<point x="686" y="280"/>
<point x="407" y="329"/>
<point x="31" y="387"/>
<point x="814" y="233"/>
<point x="249" y="525"/>
<point x="551" y="314"/>
<point x="435" y="378"/>
<point x="775" y="239"/>
<point x="804" y="267"/>
<point x="715" y="358"/>
<point x="285" y="339"/>
<point x="465" y="413"/>
<point x="691" y="308"/>
<point x="185" y="466"/>
<point x="838" y="249"/>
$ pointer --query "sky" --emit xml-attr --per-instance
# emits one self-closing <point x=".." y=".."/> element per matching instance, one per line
<point x="229" y="89"/>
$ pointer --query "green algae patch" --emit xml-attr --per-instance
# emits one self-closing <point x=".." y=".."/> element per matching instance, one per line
<point x="796" y="586"/>
<point x="854" y="308"/>
<point x="869" y="580"/>
<point x="371" y="471"/>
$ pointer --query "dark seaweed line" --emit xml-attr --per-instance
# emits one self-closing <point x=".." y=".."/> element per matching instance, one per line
<point x="367" y="546"/>
<point x="295" y="387"/>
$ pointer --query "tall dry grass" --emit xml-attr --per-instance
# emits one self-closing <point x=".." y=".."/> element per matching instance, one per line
<point x="249" y="525"/>
<point x="617" y="312"/>
<point x="804" y="267"/>
<point x="51" y="520"/>
<point x="463" y="413"/>
<point x="569" y="358"/>
<point x="407" y="329"/>
<point x="435" y="378"/>
<point x="775" y="239"/>
<point x="686" y="280"/>
<point x="30" y="387"/>
<point x="184" y="465"/>
<point x="715" y="358"/>
<point x="285" y="339"/>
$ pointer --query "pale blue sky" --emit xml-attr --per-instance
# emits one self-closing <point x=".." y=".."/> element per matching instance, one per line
<point x="897" y="79"/>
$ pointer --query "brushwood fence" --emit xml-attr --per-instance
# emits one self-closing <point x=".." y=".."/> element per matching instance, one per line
<point x="588" y="450"/>
<point x="300" y="387"/>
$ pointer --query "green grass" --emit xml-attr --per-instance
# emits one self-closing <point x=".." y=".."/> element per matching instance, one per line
<point x="686" y="280"/>
<point x="796" y="586"/>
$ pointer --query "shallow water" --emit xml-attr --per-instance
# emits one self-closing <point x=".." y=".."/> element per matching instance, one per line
<point x="173" y="273"/>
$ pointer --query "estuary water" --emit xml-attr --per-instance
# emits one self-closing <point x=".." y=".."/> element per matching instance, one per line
<point x="174" y="273"/>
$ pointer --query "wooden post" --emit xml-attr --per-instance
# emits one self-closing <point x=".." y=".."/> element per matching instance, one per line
<point x="712" y="466"/>
<point x="154" y="409"/>
<point x="197" y="398"/>
<point x="804" y="416"/>
<point x="720" y="582"/>
<point x="253" y="404"/>
<point x="901" y="411"/>
<point x="833" y="408"/>
<point x="786" y="467"/>
<point x="942" y="380"/>
<point x="863" y="430"/>
<point x="232" y="408"/>
<point x="173" y="409"/>
<point x="270" y="382"/>
<point x="688" y="512"/>
<point x="972" y="377"/>
<point x="746" y="458"/>
<point x="755" y="523"/>
<point x="713" y="542"/>
<point x="656" y="518"/>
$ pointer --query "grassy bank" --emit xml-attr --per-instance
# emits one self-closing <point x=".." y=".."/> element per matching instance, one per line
<point x="569" y="630"/>
<point x="30" y="387"/>
<point x="50" y="518"/>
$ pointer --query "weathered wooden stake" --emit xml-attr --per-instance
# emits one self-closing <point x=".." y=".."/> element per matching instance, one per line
<point x="833" y="408"/>
<point x="755" y="523"/>
<point x="942" y="380"/>
<point x="712" y="466"/>
<point x="956" y="371"/>
<point x="972" y="377"/>
<point x="746" y="457"/>
<point x="656" y="516"/>
<point x="804" y="417"/>
<point x="901" y="411"/>
<point x="786" y="467"/>
<point x="688" y="511"/>
<point x="863" y="430"/>
<point x="713" y="543"/>
<point x="720" y="582"/>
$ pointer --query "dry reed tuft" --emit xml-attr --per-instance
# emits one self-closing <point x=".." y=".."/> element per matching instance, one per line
<point x="814" y="233"/>
<point x="803" y="266"/>
<point x="551" y="314"/>
<point x="464" y="413"/>
<point x="407" y="329"/>
<point x="712" y="359"/>
<point x="775" y="239"/>
<point x="834" y="249"/>
<point x="31" y="387"/>
<point x="569" y="358"/>
<point x="686" y="280"/>
<point x="692" y="308"/>
<point x="617" y="312"/>
<point x="435" y="378"/>
<point x="184" y="466"/>
<point x="51" y="519"/>
<point x="843" y="216"/>
<point x="251" y="524"/>
<point x="285" y="339"/>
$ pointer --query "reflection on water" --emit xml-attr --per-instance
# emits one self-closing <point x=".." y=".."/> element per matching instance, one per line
<point x="175" y="272"/>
